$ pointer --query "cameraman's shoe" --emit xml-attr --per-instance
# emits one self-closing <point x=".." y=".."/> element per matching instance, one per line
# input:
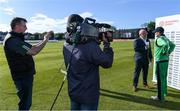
<point x="135" y="89"/>
<point x="146" y="86"/>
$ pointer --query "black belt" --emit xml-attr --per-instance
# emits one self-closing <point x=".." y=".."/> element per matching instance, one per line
<point x="162" y="61"/>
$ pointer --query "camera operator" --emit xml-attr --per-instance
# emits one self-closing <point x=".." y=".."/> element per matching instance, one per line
<point x="84" y="60"/>
<point x="19" y="56"/>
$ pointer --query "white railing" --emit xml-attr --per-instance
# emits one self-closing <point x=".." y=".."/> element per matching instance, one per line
<point x="35" y="41"/>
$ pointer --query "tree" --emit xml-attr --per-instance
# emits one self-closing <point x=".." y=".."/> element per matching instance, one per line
<point x="151" y="26"/>
<point x="59" y="36"/>
<point x="144" y="25"/>
<point x="52" y="36"/>
<point x="37" y="36"/>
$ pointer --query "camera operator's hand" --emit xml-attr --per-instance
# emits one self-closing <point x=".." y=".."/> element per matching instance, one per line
<point x="105" y="41"/>
<point x="104" y="38"/>
<point x="47" y="36"/>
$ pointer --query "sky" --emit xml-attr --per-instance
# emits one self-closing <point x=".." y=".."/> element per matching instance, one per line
<point x="46" y="15"/>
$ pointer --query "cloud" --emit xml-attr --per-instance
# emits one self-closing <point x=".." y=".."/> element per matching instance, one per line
<point x="3" y="1"/>
<point x="86" y="14"/>
<point x="9" y="11"/>
<point x="42" y="23"/>
<point x="4" y="27"/>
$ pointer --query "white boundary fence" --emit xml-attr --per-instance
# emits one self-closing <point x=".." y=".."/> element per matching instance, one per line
<point x="35" y="41"/>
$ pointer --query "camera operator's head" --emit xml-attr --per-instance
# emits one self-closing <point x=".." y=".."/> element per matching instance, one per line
<point x="73" y="21"/>
<point x="81" y="30"/>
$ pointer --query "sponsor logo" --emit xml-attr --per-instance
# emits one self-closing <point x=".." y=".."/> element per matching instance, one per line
<point x="25" y="47"/>
<point x="168" y="22"/>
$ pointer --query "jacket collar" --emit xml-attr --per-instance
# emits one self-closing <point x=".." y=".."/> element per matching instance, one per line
<point x="19" y="35"/>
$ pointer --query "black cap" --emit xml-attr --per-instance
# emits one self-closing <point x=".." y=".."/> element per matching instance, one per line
<point x="159" y="29"/>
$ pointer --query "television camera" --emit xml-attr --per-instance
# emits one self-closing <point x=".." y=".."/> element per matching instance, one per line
<point x="81" y="30"/>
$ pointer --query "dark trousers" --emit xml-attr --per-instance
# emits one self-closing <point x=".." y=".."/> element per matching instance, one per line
<point x="24" y="87"/>
<point x="140" y="65"/>
<point x="79" y="106"/>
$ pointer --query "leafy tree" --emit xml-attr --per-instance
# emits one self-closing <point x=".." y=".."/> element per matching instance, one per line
<point x="37" y="36"/>
<point x="59" y="36"/>
<point x="52" y="36"/>
<point x="151" y="26"/>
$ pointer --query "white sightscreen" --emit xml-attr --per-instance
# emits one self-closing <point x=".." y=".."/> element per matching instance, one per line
<point x="171" y="25"/>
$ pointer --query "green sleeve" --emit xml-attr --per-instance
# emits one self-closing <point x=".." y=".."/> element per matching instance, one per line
<point x="163" y="43"/>
<point x="172" y="46"/>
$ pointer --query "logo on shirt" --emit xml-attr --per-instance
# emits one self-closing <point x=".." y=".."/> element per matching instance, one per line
<point x="25" y="47"/>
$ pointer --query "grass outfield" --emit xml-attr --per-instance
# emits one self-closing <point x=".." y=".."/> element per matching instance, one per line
<point x="116" y="83"/>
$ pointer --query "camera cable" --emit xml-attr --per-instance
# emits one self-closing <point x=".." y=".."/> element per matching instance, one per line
<point x="65" y="76"/>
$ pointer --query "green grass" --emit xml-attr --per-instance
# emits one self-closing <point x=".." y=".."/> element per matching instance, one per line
<point x="116" y="83"/>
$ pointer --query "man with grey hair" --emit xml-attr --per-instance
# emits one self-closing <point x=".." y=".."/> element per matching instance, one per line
<point x="142" y="57"/>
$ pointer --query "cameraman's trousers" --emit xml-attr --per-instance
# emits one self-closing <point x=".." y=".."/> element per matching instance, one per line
<point x="161" y="74"/>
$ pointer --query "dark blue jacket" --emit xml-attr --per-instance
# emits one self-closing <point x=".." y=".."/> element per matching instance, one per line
<point x="83" y="74"/>
<point x="141" y="53"/>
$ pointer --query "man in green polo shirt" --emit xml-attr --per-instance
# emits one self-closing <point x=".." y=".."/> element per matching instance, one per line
<point x="163" y="48"/>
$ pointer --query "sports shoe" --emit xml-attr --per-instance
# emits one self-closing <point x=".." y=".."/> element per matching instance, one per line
<point x="155" y="98"/>
<point x="135" y="89"/>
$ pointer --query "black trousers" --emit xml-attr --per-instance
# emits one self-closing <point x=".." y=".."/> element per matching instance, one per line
<point x="140" y="65"/>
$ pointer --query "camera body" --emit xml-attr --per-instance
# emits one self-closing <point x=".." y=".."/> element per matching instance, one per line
<point x="82" y="31"/>
<point x="106" y="30"/>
